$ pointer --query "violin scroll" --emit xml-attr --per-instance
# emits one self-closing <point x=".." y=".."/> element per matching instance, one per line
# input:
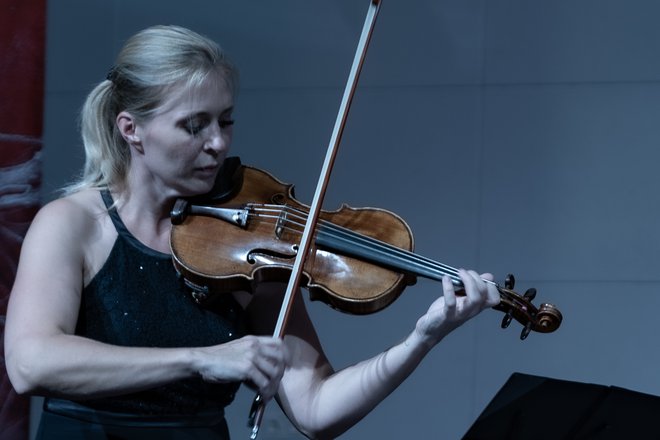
<point x="544" y="319"/>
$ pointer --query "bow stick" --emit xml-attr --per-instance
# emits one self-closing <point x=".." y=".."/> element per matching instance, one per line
<point x="258" y="405"/>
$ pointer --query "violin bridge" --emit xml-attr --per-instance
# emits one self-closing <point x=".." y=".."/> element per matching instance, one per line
<point x="280" y="225"/>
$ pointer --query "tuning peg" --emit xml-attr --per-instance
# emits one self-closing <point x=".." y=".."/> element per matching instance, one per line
<point x="525" y="331"/>
<point x="530" y="294"/>
<point x="507" y="319"/>
<point x="509" y="281"/>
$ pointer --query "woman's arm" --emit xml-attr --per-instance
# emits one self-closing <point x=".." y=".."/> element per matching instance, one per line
<point x="43" y="356"/>
<point x="324" y="404"/>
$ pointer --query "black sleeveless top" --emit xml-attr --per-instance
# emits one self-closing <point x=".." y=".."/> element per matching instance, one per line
<point x="137" y="299"/>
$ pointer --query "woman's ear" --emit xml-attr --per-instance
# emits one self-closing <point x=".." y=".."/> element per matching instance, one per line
<point x="128" y="129"/>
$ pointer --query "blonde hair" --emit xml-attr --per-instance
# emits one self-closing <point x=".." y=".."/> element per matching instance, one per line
<point x="149" y="65"/>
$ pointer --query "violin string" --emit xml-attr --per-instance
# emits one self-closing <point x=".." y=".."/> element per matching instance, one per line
<point x="274" y="213"/>
<point x="294" y="216"/>
<point x="384" y="249"/>
<point x="341" y="232"/>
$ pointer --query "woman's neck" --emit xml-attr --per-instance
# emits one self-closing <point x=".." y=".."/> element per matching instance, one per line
<point x="146" y="215"/>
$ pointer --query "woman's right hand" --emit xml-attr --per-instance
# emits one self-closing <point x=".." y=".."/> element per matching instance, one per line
<point x="259" y="361"/>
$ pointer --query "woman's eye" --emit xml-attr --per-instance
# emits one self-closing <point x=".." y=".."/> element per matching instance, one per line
<point x="224" y="123"/>
<point x="194" y="127"/>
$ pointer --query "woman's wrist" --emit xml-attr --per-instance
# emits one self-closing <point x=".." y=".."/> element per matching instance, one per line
<point x="193" y="361"/>
<point x="419" y="341"/>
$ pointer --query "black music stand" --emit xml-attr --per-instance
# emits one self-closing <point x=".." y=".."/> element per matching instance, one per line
<point x="539" y="408"/>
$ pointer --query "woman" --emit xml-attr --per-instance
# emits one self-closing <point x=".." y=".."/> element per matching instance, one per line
<point x="98" y="320"/>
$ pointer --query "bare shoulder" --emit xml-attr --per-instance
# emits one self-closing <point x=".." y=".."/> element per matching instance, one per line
<point x="81" y="207"/>
<point x="76" y="215"/>
<point x="77" y="227"/>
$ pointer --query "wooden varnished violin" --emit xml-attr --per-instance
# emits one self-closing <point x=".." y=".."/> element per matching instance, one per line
<point x="360" y="262"/>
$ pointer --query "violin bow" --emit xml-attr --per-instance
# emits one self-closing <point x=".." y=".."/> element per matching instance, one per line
<point x="258" y="405"/>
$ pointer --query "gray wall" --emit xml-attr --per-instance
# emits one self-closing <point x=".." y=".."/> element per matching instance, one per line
<point x="514" y="136"/>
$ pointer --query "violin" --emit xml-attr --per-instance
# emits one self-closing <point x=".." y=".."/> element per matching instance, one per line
<point x="248" y="231"/>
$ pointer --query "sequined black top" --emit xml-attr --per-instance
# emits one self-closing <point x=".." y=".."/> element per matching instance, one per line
<point x="137" y="299"/>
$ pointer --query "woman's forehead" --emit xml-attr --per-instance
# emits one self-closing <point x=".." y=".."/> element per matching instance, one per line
<point x="212" y="94"/>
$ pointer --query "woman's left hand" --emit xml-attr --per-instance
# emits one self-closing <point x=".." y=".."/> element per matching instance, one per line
<point x="450" y="311"/>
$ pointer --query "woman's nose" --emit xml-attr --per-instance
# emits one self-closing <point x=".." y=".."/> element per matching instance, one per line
<point x="218" y="140"/>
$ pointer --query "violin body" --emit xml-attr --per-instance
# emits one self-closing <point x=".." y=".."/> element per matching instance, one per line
<point x="215" y="256"/>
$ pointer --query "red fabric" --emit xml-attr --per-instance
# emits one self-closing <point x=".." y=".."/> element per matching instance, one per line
<point x="22" y="26"/>
<point x="22" y="38"/>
